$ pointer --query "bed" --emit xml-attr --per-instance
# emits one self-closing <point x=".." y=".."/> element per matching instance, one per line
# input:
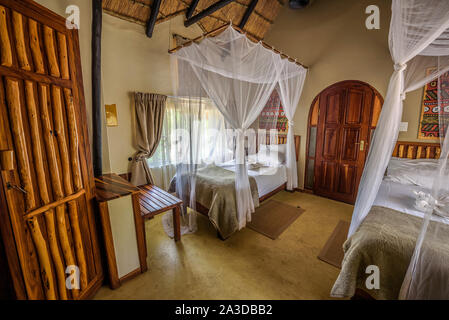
<point x="387" y="235"/>
<point x="216" y="200"/>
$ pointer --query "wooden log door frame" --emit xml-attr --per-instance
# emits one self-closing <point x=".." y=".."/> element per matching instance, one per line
<point x="47" y="188"/>
<point x="312" y="124"/>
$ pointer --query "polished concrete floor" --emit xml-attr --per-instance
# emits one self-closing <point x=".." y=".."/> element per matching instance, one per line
<point x="246" y="266"/>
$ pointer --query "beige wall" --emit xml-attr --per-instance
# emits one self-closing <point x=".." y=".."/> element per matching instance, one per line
<point x="331" y="38"/>
<point x="412" y="114"/>
<point x="133" y="62"/>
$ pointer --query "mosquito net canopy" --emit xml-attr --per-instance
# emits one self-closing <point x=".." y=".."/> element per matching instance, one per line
<point x="238" y="76"/>
<point x="419" y="45"/>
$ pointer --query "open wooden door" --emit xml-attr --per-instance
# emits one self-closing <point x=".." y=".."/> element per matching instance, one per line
<point x="47" y="183"/>
<point x="348" y="114"/>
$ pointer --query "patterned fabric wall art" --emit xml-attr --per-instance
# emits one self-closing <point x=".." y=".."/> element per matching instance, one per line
<point x="273" y="110"/>
<point x="429" y="128"/>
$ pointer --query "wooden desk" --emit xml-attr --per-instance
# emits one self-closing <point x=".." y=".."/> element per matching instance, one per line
<point x="125" y="251"/>
<point x="153" y="201"/>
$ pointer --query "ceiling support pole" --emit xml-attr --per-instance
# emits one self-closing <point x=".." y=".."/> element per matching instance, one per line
<point x="97" y="24"/>
<point x="153" y="17"/>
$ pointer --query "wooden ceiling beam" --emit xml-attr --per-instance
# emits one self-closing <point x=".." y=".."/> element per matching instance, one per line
<point x="248" y="13"/>
<point x="209" y="10"/>
<point x="191" y="9"/>
<point x="242" y="4"/>
<point x="153" y="17"/>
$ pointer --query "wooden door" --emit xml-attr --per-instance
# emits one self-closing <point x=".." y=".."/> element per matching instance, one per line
<point x="47" y="184"/>
<point x="347" y="115"/>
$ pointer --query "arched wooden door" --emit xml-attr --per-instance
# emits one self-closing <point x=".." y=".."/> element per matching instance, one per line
<point x="341" y="123"/>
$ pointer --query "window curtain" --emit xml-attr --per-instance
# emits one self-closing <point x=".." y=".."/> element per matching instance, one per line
<point x="149" y="112"/>
<point x="290" y="89"/>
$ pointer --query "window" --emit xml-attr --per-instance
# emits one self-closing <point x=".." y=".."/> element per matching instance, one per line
<point x="207" y="126"/>
<point x="162" y="156"/>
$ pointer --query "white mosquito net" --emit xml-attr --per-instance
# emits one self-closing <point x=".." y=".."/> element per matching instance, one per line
<point x="419" y="45"/>
<point x="237" y="77"/>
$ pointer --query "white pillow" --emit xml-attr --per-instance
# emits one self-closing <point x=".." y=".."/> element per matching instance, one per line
<point x="281" y="149"/>
<point x="420" y="172"/>
<point x="270" y="155"/>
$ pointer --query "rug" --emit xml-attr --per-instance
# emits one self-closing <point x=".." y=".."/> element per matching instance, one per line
<point x="332" y="251"/>
<point x="272" y="218"/>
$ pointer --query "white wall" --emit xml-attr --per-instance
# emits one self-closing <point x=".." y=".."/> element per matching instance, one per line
<point x="133" y="62"/>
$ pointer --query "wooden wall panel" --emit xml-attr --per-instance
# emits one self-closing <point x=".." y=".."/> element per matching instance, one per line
<point x="353" y="110"/>
<point x="330" y="143"/>
<point x="5" y="41"/>
<point x="350" y="147"/>
<point x="332" y="112"/>
<point x="327" y="175"/>
<point x="21" y="46"/>
<point x="346" y="181"/>
<point x="35" y="45"/>
<point x="48" y="190"/>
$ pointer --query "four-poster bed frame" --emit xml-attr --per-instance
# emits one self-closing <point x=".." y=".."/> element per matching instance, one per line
<point x="417" y="150"/>
<point x="222" y="28"/>
<point x="282" y="139"/>
<point x="406" y="150"/>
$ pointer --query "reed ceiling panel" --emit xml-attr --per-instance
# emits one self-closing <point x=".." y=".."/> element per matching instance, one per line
<point x="260" y="21"/>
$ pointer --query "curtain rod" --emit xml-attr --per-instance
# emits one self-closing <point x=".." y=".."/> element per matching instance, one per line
<point x="251" y="38"/>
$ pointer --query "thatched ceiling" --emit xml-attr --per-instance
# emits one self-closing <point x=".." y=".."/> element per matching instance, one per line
<point x="138" y="11"/>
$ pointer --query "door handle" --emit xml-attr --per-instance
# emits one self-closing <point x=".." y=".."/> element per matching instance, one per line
<point x="362" y="145"/>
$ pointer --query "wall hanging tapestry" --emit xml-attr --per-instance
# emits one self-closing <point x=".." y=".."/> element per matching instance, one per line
<point x="273" y="109"/>
<point x="429" y="127"/>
